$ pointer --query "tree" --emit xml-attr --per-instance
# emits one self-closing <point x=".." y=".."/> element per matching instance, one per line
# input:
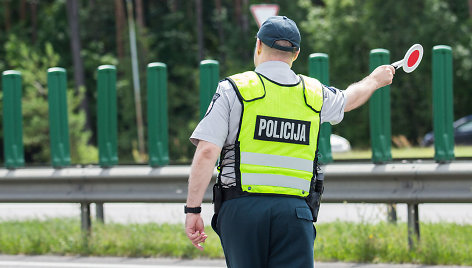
<point x="470" y="8"/>
<point x="120" y="25"/>
<point x="201" y="44"/>
<point x="33" y="65"/>
<point x="79" y="79"/>
<point x="6" y="12"/>
<point x="348" y="30"/>
<point x="34" y="20"/>
<point x="140" y="14"/>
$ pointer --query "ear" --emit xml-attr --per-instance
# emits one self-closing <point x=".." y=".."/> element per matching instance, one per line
<point x="296" y="55"/>
<point x="259" y="46"/>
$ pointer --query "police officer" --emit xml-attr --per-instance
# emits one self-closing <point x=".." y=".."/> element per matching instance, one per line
<point x="264" y="125"/>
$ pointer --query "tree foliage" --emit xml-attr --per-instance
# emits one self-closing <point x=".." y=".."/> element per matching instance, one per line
<point x="345" y="29"/>
<point x="33" y="65"/>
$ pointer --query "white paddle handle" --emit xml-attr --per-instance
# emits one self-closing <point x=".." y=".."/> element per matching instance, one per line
<point x="397" y="64"/>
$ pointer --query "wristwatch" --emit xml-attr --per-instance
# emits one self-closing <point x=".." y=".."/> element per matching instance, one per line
<point x="195" y="210"/>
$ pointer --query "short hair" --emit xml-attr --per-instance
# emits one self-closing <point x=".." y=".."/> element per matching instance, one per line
<point x="278" y="52"/>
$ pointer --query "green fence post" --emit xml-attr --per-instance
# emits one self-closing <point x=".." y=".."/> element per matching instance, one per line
<point x="58" y="120"/>
<point x="318" y="66"/>
<point x="158" y="137"/>
<point x="209" y="77"/>
<point x="107" y="116"/>
<point x="379" y="109"/>
<point x="12" y="119"/>
<point x="442" y="104"/>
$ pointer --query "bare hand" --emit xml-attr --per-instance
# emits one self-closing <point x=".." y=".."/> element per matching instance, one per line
<point x="194" y="228"/>
<point x="383" y="75"/>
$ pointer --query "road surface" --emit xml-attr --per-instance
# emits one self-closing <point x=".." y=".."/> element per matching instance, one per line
<point x="16" y="261"/>
<point x="173" y="213"/>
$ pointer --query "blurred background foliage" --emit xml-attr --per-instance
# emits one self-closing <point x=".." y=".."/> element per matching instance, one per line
<point x="36" y="35"/>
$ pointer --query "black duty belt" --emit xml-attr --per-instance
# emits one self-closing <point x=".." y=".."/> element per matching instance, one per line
<point x="231" y="193"/>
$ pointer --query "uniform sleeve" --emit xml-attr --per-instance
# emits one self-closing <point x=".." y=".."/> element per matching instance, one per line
<point x="214" y="126"/>
<point x="334" y="102"/>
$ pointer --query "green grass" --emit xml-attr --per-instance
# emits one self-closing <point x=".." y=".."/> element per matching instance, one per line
<point x="401" y="153"/>
<point x="441" y="243"/>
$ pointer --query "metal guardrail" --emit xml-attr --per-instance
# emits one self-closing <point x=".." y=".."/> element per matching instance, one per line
<point x="424" y="182"/>
<point x="410" y="183"/>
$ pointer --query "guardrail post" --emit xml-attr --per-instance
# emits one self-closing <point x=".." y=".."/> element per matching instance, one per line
<point x="442" y="104"/>
<point x="107" y="123"/>
<point x="58" y="122"/>
<point x="107" y="116"/>
<point x="209" y="77"/>
<point x="379" y="109"/>
<point x="380" y="123"/>
<point x="319" y="68"/>
<point x="392" y="213"/>
<point x="413" y="225"/>
<point x="99" y="212"/>
<point x="158" y="137"/>
<point x="12" y="119"/>
<point x="86" y="223"/>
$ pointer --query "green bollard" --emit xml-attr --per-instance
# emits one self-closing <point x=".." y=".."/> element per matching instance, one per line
<point x="158" y="137"/>
<point x="319" y="68"/>
<point x="107" y="116"/>
<point x="379" y="110"/>
<point x="443" y="104"/>
<point x="58" y="120"/>
<point x="209" y="77"/>
<point x="12" y="119"/>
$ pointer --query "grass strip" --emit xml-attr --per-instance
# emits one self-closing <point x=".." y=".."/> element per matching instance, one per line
<point x="441" y="243"/>
<point x="401" y="153"/>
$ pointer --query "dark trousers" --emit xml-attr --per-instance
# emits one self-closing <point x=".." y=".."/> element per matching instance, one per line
<point x="266" y="232"/>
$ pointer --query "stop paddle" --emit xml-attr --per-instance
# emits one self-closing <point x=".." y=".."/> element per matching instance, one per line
<point x="411" y="60"/>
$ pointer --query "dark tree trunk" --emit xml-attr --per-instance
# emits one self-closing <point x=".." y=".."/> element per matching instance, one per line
<point x="201" y="45"/>
<point x="75" y="45"/>
<point x="237" y="12"/>
<point x="140" y="14"/>
<point x="244" y="17"/>
<point x="470" y="8"/>
<point x="6" y="10"/>
<point x="174" y="5"/>
<point x="245" y="27"/>
<point x="23" y="10"/>
<point x="120" y="25"/>
<point x="221" y="35"/>
<point x="34" y="20"/>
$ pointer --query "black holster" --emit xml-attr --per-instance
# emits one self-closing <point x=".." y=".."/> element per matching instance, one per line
<point x="314" y="197"/>
<point x="217" y="202"/>
<point x="217" y="197"/>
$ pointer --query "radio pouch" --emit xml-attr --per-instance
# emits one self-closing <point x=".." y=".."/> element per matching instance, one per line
<point x="314" y="197"/>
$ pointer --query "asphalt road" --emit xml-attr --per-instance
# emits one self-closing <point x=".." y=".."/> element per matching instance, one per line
<point x="19" y="261"/>
<point x="173" y="213"/>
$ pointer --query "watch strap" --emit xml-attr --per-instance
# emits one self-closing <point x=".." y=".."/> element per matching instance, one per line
<point x="195" y="210"/>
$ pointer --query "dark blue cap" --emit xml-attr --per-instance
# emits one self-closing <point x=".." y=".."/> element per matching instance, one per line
<point x="280" y="28"/>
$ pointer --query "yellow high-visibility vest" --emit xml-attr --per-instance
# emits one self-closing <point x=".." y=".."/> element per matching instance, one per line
<point x="278" y="134"/>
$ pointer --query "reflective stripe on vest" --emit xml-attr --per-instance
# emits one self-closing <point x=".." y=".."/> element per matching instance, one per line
<point x="276" y="180"/>
<point x="276" y="161"/>
<point x="278" y="134"/>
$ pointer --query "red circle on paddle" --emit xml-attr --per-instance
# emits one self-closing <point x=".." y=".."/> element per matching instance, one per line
<point x="413" y="58"/>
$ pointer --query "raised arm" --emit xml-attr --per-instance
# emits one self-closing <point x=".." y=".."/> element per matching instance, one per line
<point x="358" y="93"/>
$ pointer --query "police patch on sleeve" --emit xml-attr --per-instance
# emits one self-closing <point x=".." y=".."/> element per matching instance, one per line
<point x="282" y="130"/>
<point x="213" y="100"/>
<point x="332" y="89"/>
